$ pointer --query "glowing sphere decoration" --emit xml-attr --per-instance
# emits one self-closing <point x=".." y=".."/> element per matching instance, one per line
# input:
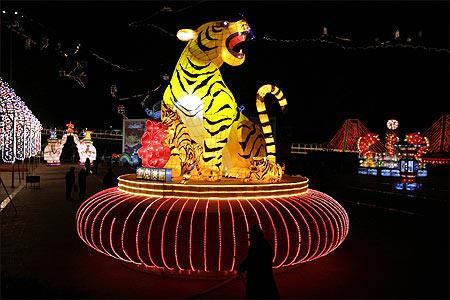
<point x="153" y="152"/>
<point x="392" y="124"/>
<point x="201" y="229"/>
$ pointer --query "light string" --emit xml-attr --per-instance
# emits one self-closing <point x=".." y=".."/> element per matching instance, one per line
<point x="382" y="45"/>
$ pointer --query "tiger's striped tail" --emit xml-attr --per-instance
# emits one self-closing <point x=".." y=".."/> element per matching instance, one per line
<point x="263" y="117"/>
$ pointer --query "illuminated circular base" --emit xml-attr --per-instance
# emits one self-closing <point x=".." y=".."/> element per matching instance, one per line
<point x="201" y="229"/>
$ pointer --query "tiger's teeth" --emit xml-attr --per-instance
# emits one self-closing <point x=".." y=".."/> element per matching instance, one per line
<point x="240" y="51"/>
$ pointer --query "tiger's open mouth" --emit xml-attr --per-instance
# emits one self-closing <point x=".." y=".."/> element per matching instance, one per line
<point x="235" y="44"/>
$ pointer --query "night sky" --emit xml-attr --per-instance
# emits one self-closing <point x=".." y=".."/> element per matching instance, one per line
<point x="324" y="84"/>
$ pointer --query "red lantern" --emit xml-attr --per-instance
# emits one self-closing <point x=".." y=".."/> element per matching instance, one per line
<point x="153" y="153"/>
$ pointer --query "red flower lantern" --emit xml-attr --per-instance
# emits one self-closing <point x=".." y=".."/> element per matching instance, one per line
<point x="153" y="153"/>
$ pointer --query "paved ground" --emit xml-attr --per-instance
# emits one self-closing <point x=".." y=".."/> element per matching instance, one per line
<point x="389" y="253"/>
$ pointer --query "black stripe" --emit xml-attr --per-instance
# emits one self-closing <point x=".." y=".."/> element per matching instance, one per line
<point x="259" y="98"/>
<point x="206" y="159"/>
<point x="277" y="93"/>
<point x="222" y="128"/>
<point x="223" y="107"/>
<point x="180" y="82"/>
<point x="222" y="84"/>
<point x="216" y="30"/>
<point x="207" y="149"/>
<point x="273" y="89"/>
<point x="249" y="135"/>
<point x="203" y="83"/>
<point x="259" y="149"/>
<point x="270" y="144"/>
<point x="174" y="100"/>
<point x="265" y="123"/>
<point x="201" y="46"/>
<point x="196" y="66"/>
<point x="244" y="125"/>
<point x="208" y="36"/>
<point x="196" y="75"/>
<point x="225" y="140"/>
<point x="216" y="122"/>
<point x="209" y="106"/>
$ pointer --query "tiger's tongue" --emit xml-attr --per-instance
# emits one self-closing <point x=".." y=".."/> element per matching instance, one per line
<point x="236" y="40"/>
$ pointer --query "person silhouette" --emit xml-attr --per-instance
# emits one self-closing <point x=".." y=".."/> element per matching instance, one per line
<point x="109" y="180"/>
<point x="82" y="183"/>
<point x="258" y="264"/>
<point x="70" y="181"/>
<point x="87" y="165"/>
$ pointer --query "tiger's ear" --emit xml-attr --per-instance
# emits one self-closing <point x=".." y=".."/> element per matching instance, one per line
<point x="186" y="35"/>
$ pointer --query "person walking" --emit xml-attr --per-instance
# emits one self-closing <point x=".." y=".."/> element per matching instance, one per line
<point x="70" y="182"/>
<point x="258" y="264"/>
<point x="82" y="183"/>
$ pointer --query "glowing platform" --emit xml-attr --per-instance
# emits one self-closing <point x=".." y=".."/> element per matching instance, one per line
<point x="200" y="228"/>
<point x="225" y="189"/>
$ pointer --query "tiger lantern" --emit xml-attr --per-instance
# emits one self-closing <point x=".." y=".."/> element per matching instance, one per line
<point x="203" y="102"/>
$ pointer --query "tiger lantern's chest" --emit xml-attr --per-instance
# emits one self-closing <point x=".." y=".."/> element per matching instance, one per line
<point x="190" y="110"/>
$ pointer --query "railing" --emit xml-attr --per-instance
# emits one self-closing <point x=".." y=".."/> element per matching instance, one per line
<point x="298" y="148"/>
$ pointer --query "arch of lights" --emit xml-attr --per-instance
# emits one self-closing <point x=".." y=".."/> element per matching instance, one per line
<point x="20" y="130"/>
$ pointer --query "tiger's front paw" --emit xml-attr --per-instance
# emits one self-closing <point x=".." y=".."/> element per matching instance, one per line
<point x="210" y="173"/>
<point x="237" y="172"/>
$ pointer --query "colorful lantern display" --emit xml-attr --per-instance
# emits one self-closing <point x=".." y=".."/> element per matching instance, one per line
<point x="85" y="147"/>
<point x="198" y="94"/>
<point x="201" y="227"/>
<point x="153" y="152"/>
<point x="417" y="139"/>
<point x="391" y="140"/>
<point x="364" y="143"/>
<point x="20" y="130"/>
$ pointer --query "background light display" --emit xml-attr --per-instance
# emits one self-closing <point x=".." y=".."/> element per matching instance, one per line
<point x="20" y="130"/>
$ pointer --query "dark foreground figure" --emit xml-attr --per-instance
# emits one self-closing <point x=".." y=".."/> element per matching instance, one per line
<point x="109" y="180"/>
<point x="258" y="264"/>
<point x="70" y="181"/>
<point x="82" y="183"/>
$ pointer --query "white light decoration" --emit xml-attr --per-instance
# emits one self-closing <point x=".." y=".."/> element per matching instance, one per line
<point x="53" y="150"/>
<point x="392" y="124"/>
<point x="20" y="130"/>
<point x="86" y="149"/>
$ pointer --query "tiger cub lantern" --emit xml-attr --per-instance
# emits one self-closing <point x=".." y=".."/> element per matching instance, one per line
<point x="198" y="94"/>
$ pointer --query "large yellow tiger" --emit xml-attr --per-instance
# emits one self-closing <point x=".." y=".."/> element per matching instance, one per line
<point x="204" y="103"/>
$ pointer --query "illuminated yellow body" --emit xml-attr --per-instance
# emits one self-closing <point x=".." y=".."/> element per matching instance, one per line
<point x="198" y="94"/>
